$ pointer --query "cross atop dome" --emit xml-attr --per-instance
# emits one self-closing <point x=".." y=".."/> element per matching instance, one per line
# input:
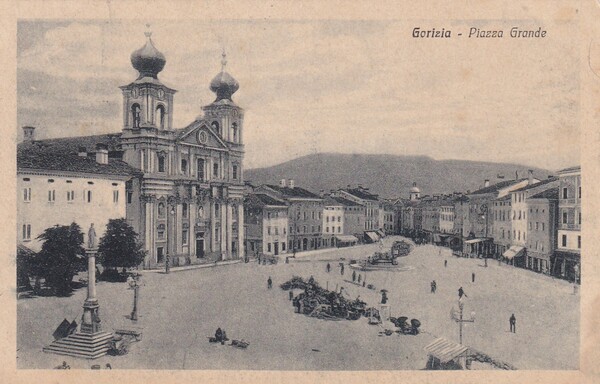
<point x="148" y="60"/>
<point x="224" y="85"/>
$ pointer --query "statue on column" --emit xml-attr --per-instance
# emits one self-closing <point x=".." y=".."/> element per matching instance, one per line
<point x="92" y="237"/>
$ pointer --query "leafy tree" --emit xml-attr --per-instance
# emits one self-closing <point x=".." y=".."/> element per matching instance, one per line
<point x="25" y="266"/>
<point x="119" y="247"/>
<point x="61" y="257"/>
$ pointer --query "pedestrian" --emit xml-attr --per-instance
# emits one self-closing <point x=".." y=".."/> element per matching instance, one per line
<point x="461" y="293"/>
<point x="287" y="260"/>
<point x="359" y="277"/>
<point x="445" y="263"/>
<point x="353" y="276"/>
<point x="472" y="277"/>
<point x="258" y="258"/>
<point x="434" y="286"/>
<point x="269" y="283"/>
<point x="291" y="295"/>
<point x="328" y="267"/>
<point x="513" y="323"/>
<point x="384" y="298"/>
<point x="342" y="269"/>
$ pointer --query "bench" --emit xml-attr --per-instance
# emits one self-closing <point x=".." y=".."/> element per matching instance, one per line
<point x="136" y="334"/>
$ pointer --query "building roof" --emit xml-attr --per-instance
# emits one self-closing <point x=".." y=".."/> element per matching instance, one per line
<point x="261" y="200"/>
<point x="496" y="187"/>
<point x="361" y="193"/>
<point x="534" y="185"/>
<point x="571" y="169"/>
<point x="62" y="155"/>
<point x="551" y="193"/>
<point x="346" y="202"/>
<point x="504" y="198"/>
<point x="295" y="192"/>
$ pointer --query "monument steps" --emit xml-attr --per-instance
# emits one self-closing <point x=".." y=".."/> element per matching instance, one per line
<point x="90" y="346"/>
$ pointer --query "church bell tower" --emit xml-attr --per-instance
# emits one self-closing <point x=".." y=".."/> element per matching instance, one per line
<point x="147" y="103"/>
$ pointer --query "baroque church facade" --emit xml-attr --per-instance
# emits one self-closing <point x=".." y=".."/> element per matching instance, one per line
<point x="188" y="205"/>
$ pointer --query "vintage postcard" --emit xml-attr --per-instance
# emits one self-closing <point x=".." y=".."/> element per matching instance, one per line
<point x="300" y="191"/>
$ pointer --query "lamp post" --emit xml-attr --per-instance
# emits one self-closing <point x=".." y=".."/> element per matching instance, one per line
<point x="460" y="320"/>
<point x="134" y="284"/>
<point x="168" y="258"/>
<point x="484" y="216"/>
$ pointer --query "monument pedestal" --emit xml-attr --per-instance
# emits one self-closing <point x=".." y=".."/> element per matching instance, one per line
<point x="89" y="342"/>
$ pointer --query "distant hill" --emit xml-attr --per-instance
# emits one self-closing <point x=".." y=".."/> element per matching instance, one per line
<point x="388" y="175"/>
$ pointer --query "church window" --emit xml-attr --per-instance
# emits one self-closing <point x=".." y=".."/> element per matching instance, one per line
<point x="51" y="195"/>
<point x="184" y="166"/>
<point x="27" y="194"/>
<point x="234" y="128"/>
<point x="184" y="210"/>
<point x="215" y="126"/>
<point x="160" y="116"/>
<point x="161" y="209"/>
<point x="135" y="115"/>
<point x="216" y="170"/>
<point x="161" y="231"/>
<point x="161" y="163"/>
<point x="216" y="209"/>
<point x="200" y="169"/>
<point x="234" y="171"/>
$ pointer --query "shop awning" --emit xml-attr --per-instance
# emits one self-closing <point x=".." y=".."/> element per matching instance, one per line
<point x="380" y="233"/>
<point x="445" y="350"/>
<point x="373" y="236"/>
<point x="347" y="238"/>
<point x="512" y="252"/>
<point x="474" y="241"/>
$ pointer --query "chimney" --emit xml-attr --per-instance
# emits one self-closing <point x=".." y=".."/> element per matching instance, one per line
<point x="82" y="152"/>
<point x="322" y="193"/>
<point x="101" y="154"/>
<point x="414" y="183"/>
<point x="291" y="184"/>
<point x="486" y="183"/>
<point x="529" y="177"/>
<point x="282" y="183"/>
<point x="28" y="133"/>
<point x="516" y="175"/>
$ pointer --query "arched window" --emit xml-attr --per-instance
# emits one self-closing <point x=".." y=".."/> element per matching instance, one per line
<point x="160" y="116"/>
<point x="184" y="210"/>
<point x="234" y="128"/>
<point x="161" y="209"/>
<point x="234" y="171"/>
<point x="217" y="210"/>
<point x="184" y="166"/>
<point x="161" y="162"/>
<point x="135" y="115"/>
<point x="216" y="127"/>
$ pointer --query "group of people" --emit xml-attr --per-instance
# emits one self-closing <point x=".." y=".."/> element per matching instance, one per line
<point x="220" y="336"/>
<point x="433" y="286"/>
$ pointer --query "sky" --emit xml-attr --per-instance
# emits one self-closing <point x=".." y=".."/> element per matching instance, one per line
<point x="322" y="85"/>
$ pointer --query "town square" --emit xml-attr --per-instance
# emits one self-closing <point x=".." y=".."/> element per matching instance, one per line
<point x="237" y="200"/>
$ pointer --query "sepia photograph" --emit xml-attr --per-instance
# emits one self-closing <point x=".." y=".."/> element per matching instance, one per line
<point x="299" y="194"/>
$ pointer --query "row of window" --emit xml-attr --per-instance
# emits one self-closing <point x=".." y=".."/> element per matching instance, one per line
<point x="564" y="241"/>
<point x="305" y="215"/>
<point x="275" y="230"/>
<point x="339" y="229"/>
<point x="565" y="217"/>
<point x="271" y="246"/>
<point x="339" y="219"/>
<point x="87" y="196"/>
<point x="565" y="193"/>
<point x="305" y="228"/>
<point x="199" y="168"/>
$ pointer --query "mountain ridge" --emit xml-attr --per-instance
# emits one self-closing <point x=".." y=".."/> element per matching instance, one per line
<point x="389" y="176"/>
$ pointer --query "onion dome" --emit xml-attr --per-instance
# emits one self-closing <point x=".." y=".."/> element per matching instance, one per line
<point x="224" y="85"/>
<point x="148" y="61"/>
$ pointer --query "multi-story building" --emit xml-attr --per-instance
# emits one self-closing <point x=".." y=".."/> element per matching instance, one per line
<point x="305" y="214"/>
<point x="370" y="201"/>
<point x="567" y="257"/>
<point x="333" y="221"/>
<point x="502" y="225"/>
<point x="354" y="218"/>
<point x="61" y="181"/>
<point x="519" y="207"/>
<point x="542" y="223"/>
<point x="387" y="217"/>
<point x="189" y="204"/>
<point x="266" y="222"/>
<point x="478" y="217"/>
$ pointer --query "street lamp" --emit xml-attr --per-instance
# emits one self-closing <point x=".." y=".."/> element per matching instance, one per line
<point x="167" y="258"/>
<point x="134" y="284"/>
<point x="483" y="212"/>
<point x="460" y="320"/>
